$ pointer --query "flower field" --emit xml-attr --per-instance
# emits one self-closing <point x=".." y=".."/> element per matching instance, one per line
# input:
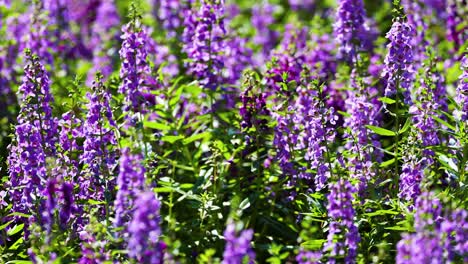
<point x="233" y="131"/>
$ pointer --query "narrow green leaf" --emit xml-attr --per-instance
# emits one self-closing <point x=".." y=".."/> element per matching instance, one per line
<point x="244" y="204"/>
<point x="5" y="225"/>
<point x="397" y="228"/>
<point x="95" y="202"/>
<point x="155" y="125"/>
<point x="443" y="122"/>
<point x="406" y="126"/>
<point x="387" y="100"/>
<point x="387" y="163"/>
<point x="19" y="262"/>
<point x="171" y="139"/>
<point x="344" y="114"/>
<point x="195" y="137"/>
<point x="381" y="131"/>
<point x="382" y="212"/>
<point x="16" y="229"/>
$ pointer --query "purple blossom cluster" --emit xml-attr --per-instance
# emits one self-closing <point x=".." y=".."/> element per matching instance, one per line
<point x="204" y="43"/>
<point x="348" y="27"/>
<point x="343" y="235"/>
<point x="170" y="14"/>
<point x="98" y="157"/>
<point x="304" y="131"/>
<point x="104" y="35"/>
<point x="35" y="138"/>
<point x="238" y="248"/>
<point x="412" y="172"/>
<point x="266" y="38"/>
<point x="398" y="71"/>
<point x="438" y="238"/>
<point x="131" y="181"/>
<point x="288" y="60"/>
<point x="462" y="92"/>
<point x="360" y="141"/>
<point x="144" y="244"/>
<point x="308" y="257"/>
<point x="135" y="71"/>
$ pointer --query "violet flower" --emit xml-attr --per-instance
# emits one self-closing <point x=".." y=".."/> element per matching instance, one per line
<point x="343" y="237"/>
<point x="238" y="248"/>
<point x="144" y="244"/>
<point x="398" y="71"/>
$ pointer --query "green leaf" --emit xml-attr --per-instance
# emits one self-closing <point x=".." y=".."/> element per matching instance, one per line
<point x="381" y="131"/>
<point x="19" y="262"/>
<point x="382" y="212"/>
<point x="195" y="137"/>
<point x="156" y="125"/>
<point x="397" y="228"/>
<point x="95" y="202"/>
<point x="406" y="126"/>
<point x="313" y="244"/>
<point x="387" y="163"/>
<point x="16" y="229"/>
<point x="387" y="100"/>
<point x="19" y="214"/>
<point x="344" y="114"/>
<point x="244" y="204"/>
<point x="443" y="122"/>
<point x="6" y="224"/>
<point x="171" y="139"/>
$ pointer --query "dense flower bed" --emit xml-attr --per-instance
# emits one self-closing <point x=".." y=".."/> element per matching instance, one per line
<point x="217" y="131"/>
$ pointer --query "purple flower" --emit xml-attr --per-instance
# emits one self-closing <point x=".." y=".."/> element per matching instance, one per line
<point x="50" y="206"/>
<point x="462" y="92"/>
<point x="238" y="248"/>
<point x="455" y="230"/>
<point x="161" y="57"/>
<point x="456" y="28"/>
<point x="350" y="17"/>
<point x="130" y="182"/>
<point x="68" y="207"/>
<point x="36" y="37"/>
<point x="412" y="172"/>
<point x="135" y="71"/>
<point x="415" y="14"/>
<point x="237" y="57"/>
<point x="343" y="237"/>
<point x="308" y="257"/>
<point x="288" y="61"/>
<point x="104" y="36"/>
<point x="298" y="5"/>
<point x="98" y="155"/>
<point x="71" y="131"/>
<point x="34" y="141"/>
<point x="419" y="248"/>
<point x="398" y="62"/>
<point x="362" y="143"/>
<point x="169" y="13"/>
<point x="320" y="57"/>
<point x="204" y="43"/>
<point x="430" y="99"/>
<point x="253" y="109"/>
<point x="304" y="132"/>
<point x="265" y="37"/>
<point x="437" y="239"/>
<point x="144" y="243"/>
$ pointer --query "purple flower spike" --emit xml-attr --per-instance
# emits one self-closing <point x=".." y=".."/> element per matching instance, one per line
<point x="341" y="211"/>
<point x="238" y="248"/>
<point x="35" y="139"/>
<point x="398" y="62"/>
<point x="144" y="244"/>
